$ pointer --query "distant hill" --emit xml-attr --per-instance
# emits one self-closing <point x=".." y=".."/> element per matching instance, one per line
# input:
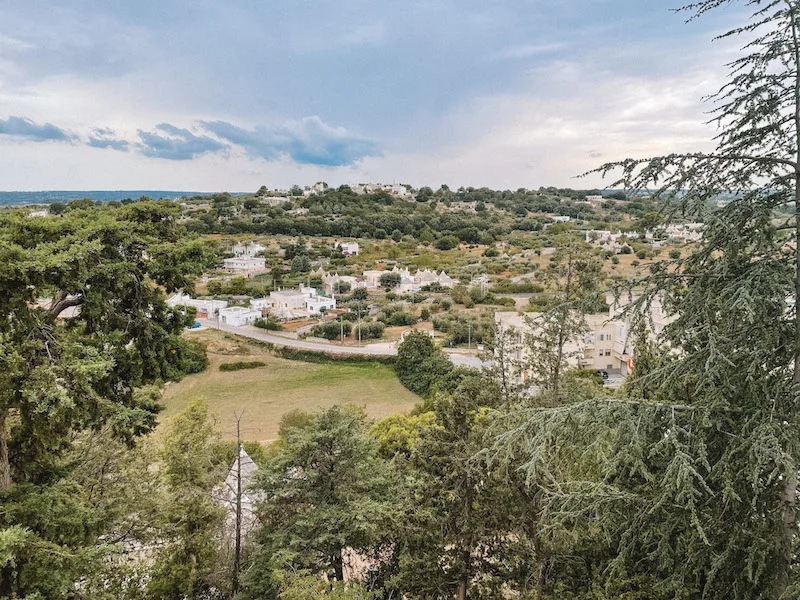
<point x="50" y="196"/>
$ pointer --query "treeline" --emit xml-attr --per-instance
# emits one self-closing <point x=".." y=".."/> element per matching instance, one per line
<point x="340" y="212"/>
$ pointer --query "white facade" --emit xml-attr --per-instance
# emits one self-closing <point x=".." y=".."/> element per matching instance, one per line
<point x="261" y="304"/>
<point x="206" y="307"/>
<point x="606" y="345"/>
<point x="238" y="316"/>
<point x="372" y="279"/>
<point x="560" y="218"/>
<point x="247" y="264"/>
<point x="298" y="303"/>
<point x="247" y="249"/>
<point x="316" y="304"/>
<point x="350" y="248"/>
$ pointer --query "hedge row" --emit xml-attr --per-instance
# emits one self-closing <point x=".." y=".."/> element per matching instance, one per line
<point x="238" y="366"/>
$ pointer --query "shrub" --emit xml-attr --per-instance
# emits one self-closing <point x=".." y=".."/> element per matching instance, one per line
<point x="641" y="254"/>
<point x="239" y="366"/>
<point x="675" y="254"/>
<point x="491" y="252"/>
<point x="614" y="260"/>
<point x="420" y="363"/>
<point x="447" y="242"/>
<point x="332" y="330"/>
<point x="270" y="323"/>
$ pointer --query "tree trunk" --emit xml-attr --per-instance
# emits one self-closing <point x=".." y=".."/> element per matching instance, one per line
<point x="542" y="579"/>
<point x="338" y="565"/>
<point x="463" y="585"/>
<point x="5" y="466"/>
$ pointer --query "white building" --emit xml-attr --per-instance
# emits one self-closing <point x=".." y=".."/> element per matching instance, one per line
<point x="245" y="264"/>
<point x="291" y="304"/>
<point x="238" y="315"/>
<point x="247" y="249"/>
<point x="560" y="218"/>
<point x="349" y="248"/>
<point x="206" y="307"/>
<point x="606" y="345"/>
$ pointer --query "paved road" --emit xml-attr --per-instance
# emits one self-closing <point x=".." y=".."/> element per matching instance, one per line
<point x="378" y="349"/>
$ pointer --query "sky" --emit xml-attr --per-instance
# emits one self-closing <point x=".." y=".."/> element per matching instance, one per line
<point x="205" y="95"/>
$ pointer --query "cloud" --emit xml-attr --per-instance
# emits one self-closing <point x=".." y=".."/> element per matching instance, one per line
<point x="20" y="127"/>
<point x="106" y="138"/>
<point x="308" y="141"/>
<point x="174" y="143"/>
<point x="527" y="51"/>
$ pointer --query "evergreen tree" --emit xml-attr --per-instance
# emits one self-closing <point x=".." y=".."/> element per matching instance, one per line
<point x="695" y="481"/>
<point x="186" y="562"/>
<point x="326" y="498"/>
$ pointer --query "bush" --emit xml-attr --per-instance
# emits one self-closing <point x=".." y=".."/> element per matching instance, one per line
<point x="239" y="366"/>
<point x="675" y="254"/>
<point x="420" y="363"/>
<point x="270" y="323"/>
<point x="491" y="252"/>
<point x="425" y="314"/>
<point x="369" y="331"/>
<point x="641" y="254"/>
<point x="332" y="330"/>
<point x="390" y="280"/>
<point x="447" y="242"/>
<point x="614" y="260"/>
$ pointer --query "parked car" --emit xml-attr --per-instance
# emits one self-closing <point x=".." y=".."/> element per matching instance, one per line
<point x="603" y="373"/>
<point x="196" y="325"/>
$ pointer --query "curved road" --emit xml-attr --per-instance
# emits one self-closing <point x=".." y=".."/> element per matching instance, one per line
<point x="378" y="349"/>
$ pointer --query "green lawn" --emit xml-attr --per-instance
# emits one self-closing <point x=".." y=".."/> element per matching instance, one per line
<point x="264" y="394"/>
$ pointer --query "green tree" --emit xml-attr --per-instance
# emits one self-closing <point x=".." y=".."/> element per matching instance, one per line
<point x="301" y="264"/>
<point x="326" y="491"/>
<point x="84" y="329"/>
<point x="390" y="280"/>
<point x="455" y="530"/>
<point x="420" y="364"/>
<point x="185" y="563"/>
<point x="574" y="277"/>
<point x="708" y="457"/>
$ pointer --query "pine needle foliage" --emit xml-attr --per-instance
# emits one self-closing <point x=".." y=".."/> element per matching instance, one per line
<point x="692" y="478"/>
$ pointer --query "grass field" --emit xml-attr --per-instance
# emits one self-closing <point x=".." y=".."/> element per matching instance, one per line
<point x="264" y="394"/>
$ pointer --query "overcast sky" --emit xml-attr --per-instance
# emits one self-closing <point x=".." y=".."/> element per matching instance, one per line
<point x="207" y="95"/>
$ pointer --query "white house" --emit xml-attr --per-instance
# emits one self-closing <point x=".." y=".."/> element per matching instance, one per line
<point x="349" y="248"/>
<point x="317" y="304"/>
<point x="247" y="249"/>
<point x="245" y="264"/>
<point x="206" y="307"/>
<point x="261" y="304"/>
<point x="560" y="218"/>
<point x="606" y="345"/>
<point x="302" y="302"/>
<point x="238" y="315"/>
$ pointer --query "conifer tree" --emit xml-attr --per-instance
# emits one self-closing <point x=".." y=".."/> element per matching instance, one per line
<point x="695" y="481"/>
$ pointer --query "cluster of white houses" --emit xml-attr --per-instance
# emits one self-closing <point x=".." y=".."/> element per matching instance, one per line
<point x="283" y="304"/>
<point x="294" y="303"/>
<point x="245" y="259"/>
<point x="409" y="282"/>
<point x="607" y="345"/>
